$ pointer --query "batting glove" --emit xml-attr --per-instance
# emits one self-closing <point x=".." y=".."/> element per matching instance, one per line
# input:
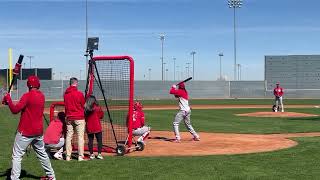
<point x="174" y="86"/>
<point x="5" y="99"/>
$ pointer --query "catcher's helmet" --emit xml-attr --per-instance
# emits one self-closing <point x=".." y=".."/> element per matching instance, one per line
<point x="33" y="82"/>
<point x="137" y="105"/>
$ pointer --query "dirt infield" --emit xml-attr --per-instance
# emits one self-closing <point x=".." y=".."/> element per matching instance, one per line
<point x="159" y="144"/>
<point x="277" y="114"/>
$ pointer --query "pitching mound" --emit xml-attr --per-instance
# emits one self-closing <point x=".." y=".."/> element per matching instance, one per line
<point x="160" y="144"/>
<point x="277" y="114"/>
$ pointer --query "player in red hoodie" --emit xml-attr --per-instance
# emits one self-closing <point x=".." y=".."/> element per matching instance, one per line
<point x="93" y="113"/>
<point x="278" y="93"/>
<point x="30" y="128"/>
<point x="184" y="114"/>
<point x="74" y="109"/>
<point x="138" y="125"/>
<point x="54" y="135"/>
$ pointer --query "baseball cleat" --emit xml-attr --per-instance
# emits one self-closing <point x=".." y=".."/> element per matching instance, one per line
<point x="196" y="138"/>
<point x="176" y="141"/>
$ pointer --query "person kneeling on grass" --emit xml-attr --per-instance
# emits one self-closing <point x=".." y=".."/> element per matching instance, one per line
<point x="54" y="136"/>
<point x="30" y="128"/>
<point x="138" y="125"/>
<point x="93" y="114"/>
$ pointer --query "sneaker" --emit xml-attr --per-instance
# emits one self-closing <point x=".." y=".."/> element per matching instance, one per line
<point x="196" y="138"/>
<point x="68" y="158"/>
<point x="282" y="110"/>
<point x="99" y="156"/>
<point x="92" y="156"/>
<point x="58" y="156"/>
<point x="80" y="158"/>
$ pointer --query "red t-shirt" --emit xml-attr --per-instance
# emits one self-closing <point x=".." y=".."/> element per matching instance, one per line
<point x="54" y="132"/>
<point x="74" y="104"/>
<point x="31" y="106"/>
<point x="93" y="123"/>
<point x="138" y="119"/>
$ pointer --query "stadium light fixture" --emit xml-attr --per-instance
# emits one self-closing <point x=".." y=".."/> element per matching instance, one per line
<point x="220" y="55"/>
<point x="193" y="53"/>
<point x="235" y="4"/>
<point x="162" y="40"/>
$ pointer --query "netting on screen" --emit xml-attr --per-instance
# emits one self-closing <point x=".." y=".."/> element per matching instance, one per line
<point x="113" y="88"/>
<point x="111" y="81"/>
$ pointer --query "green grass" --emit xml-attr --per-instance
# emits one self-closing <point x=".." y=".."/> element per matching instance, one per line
<point x="300" y="162"/>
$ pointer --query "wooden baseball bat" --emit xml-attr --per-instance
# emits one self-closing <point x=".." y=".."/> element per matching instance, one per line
<point x="186" y="80"/>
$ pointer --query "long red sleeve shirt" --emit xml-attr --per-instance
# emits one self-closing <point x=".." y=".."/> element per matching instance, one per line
<point x="74" y="104"/>
<point x="278" y="91"/>
<point x="93" y="123"/>
<point x="183" y="98"/>
<point x="138" y="119"/>
<point x="31" y="106"/>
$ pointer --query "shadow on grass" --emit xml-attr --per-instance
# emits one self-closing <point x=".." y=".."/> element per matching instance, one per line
<point x="24" y="174"/>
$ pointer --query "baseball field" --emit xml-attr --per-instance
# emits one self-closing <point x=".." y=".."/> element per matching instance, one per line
<point x="299" y="161"/>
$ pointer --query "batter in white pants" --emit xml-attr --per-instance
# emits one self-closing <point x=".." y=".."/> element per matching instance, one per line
<point x="278" y="102"/>
<point x="19" y="149"/>
<point x="143" y="132"/>
<point x="185" y="116"/>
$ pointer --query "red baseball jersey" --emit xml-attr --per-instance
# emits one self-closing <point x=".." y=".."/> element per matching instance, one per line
<point x="278" y="91"/>
<point x="138" y="119"/>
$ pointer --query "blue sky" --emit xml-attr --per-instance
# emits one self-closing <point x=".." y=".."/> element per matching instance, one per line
<point x="53" y="31"/>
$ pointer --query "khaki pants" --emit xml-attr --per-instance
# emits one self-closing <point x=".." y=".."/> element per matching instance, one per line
<point x="79" y="126"/>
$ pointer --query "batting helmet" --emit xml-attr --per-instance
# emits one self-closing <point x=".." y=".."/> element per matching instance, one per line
<point x="33" y="82"/>
<point x="182" y="86"/>
<point x="137" y="105"/>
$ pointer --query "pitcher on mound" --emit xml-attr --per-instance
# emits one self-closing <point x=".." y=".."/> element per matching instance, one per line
<point x="184" y="113"/>
<point x="278" y="93"/>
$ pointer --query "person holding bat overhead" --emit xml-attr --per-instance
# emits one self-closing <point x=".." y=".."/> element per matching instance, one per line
<point x="180" y="92"/>
<point x="30" y="128"/>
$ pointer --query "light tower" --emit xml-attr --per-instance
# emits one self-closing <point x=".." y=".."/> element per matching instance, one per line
<point x="235" y="4"/>
<point x="162" y="40"/>
<point x="193" y="53"/>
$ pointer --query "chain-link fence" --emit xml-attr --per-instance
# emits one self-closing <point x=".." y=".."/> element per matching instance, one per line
<point x="54" y="89"/>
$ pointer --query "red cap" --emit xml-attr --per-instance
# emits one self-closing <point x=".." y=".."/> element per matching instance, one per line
<point x="33" y="82"/>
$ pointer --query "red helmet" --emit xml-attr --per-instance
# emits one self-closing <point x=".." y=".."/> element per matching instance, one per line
<point x="33" y="82"/>
<point x="182" y="86"/>
<point x="137" y="105"/>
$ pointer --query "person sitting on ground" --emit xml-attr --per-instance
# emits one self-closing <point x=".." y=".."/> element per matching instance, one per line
<point x="138" y="125"/>
<point x="93" y="114"/>
<point x="54" y="136"/>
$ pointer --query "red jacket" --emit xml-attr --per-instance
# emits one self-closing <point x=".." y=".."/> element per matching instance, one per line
<point x="54" y="132"/>
<point x="74" y="104"/>
<point x="138" y="119"/>
<point x="278" y="91"/>
<point x="31" y="106"/>
<point x="93" y="123"/>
